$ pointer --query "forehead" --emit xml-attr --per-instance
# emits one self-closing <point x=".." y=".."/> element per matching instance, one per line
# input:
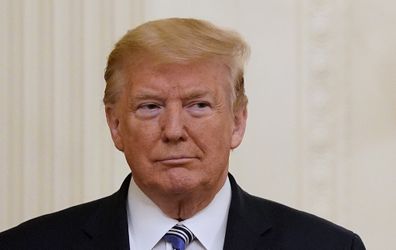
<point x="148" y="73"/>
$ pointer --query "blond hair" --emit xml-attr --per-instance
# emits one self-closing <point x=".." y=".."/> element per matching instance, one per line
<point x="179" y="40"/>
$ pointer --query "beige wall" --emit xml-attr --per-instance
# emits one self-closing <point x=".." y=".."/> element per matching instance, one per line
<point x="321" y="81"/>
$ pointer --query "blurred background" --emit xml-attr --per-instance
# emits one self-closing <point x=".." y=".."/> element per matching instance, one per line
<point x="321" y="82"/>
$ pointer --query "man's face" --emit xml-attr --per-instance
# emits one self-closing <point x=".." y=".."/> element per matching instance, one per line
<point x="176" y="126"/>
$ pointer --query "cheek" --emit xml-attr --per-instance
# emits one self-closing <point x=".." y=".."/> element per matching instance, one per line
<point x="213" y="136"/>
<point x="215" y="141"/>
<point x="139" y="137"/>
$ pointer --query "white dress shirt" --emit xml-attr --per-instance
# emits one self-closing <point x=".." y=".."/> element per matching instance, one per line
<point x="147" y="224"/>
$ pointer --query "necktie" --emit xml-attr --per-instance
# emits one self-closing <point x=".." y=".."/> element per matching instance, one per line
<point x="179" y="236"/>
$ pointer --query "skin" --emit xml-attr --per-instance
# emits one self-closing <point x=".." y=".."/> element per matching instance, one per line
<point x="176" y="127"/>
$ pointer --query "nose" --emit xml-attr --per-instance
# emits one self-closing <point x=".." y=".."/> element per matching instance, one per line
<point x="173" y="126"/>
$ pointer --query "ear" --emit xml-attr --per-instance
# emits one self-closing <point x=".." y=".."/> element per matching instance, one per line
<point x="240" y="117"/>
<point x="113" y="121"/>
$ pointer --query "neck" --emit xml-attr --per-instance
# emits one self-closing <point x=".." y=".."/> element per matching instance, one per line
<point x="182" y="206"/>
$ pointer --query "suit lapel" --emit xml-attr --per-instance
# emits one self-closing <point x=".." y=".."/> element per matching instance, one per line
<point x="108" y="227"/>
<point x="246" y="228"/>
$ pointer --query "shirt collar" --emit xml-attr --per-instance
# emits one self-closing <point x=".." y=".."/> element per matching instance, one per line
<point x="147" y="224"/>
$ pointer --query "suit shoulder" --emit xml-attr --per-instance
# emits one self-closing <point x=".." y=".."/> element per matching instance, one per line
<point x="58" y="226"/>
<point x="283" y="215"/>
<point x="301" y="227"/>
<point x="70" y="215"/>
<point x="74" y="227"/>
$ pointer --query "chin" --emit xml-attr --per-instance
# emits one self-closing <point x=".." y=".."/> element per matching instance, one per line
<point x="179" y="183"/>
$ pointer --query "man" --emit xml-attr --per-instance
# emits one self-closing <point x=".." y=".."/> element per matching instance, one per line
<point x="176" y="107"/>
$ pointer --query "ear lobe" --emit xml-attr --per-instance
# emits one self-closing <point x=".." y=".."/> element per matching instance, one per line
<point x="114" y="125"/>
<point x="240" y="118"/>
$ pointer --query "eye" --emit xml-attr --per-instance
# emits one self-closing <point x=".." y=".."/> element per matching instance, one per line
<point x="149" y="106"/>
<point x="201" y="105"/>
<point x="148" y="110"/>
<point x="199" y="108"/>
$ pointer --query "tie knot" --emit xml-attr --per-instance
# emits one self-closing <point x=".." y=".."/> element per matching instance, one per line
<point x="179" y="236"/>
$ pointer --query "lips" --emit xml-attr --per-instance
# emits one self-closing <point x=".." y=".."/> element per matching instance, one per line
<point x="176" y="160"/>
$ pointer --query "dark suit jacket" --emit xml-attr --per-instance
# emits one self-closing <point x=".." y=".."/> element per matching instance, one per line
<point x="253" y="223"/>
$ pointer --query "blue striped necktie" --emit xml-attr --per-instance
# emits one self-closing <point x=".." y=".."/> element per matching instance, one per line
<point x="179" y="236"/>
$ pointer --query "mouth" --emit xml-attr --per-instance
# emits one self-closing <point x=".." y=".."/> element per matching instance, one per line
<point x="177" y="160"/>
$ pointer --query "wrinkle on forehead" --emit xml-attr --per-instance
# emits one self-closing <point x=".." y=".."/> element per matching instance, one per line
<point x="164" y="79"/>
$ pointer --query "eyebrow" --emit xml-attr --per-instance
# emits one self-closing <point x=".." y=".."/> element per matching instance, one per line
<point x="145" y="96"/>
<point x="197" y="94"/>
<point x="193" y="94"/>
